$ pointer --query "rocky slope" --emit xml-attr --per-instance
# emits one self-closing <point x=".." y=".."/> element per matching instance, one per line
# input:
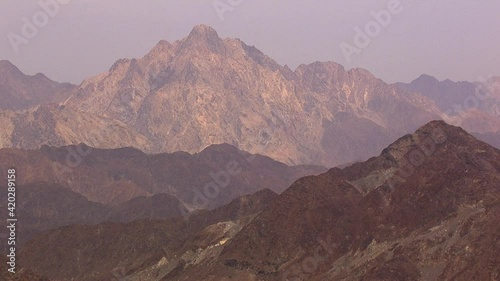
<point x="56" y="125"/>
<point x="427" y="208"/>
<point x="204" y="90"/>
<point x="112" y="251"/>
<point x="46" y="206"/>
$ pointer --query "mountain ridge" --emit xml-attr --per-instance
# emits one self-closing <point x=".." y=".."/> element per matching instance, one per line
<point x="203" y="90"/>
<point x="472" y="105"/>
<point x="19" y="91"/>
<point x="244" y="98"/>
<point x="113" y="176"/>
<point x="355" y="223"/>
<point x="325" y="208"/>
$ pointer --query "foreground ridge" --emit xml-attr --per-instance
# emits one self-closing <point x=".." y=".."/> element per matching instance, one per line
<point x="426" y="208"/>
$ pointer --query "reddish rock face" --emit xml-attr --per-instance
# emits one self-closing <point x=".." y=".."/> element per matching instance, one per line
<point x="425" y="209"/>
<point x="418" y="211"/>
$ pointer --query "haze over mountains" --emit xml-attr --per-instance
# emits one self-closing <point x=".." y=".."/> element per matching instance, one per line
<point x="124" y="185"/>
<point x="203" y="90"/>
<point x="207" y="160"/>
<point x="377" y="220"/>
<point x="115" y="176"/>
<point x="20" y="91"/>
<point x="474" y="106"/>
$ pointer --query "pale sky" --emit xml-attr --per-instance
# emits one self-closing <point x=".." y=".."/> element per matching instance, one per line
<point x="455" y="39"/>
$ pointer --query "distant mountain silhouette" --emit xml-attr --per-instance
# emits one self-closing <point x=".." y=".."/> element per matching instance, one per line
<point x="19" y="91"/>
<point x="473" y="106"/>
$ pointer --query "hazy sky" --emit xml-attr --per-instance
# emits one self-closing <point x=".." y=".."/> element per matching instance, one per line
<point x="456" y="39"/>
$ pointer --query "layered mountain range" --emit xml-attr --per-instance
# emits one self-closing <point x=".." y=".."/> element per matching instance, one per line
<point x="83" y="185"/>
<point x="204" y="90"/>
<point x="204" y="160"/>
<point x="426" y="208"/>
<point x="474" y="106"/>
<point x="211" y="178"/>
<point x="46" y="206"/>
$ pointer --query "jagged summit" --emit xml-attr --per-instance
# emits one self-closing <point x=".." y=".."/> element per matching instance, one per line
<point x="440" y="205"/>
<point x="161" y="46"/>
<point x="203" y="30"/>
<point x="436" y="129"/>
<point x="431" y="134"/>
<point x="203" y="90"/>
<point x="203" y="37"/>
<point x="320" y="66"/>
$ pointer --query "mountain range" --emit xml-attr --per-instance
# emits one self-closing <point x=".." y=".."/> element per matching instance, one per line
<point x="211" y="178"/>
<point x="204" y="90"/>
<point x="206" y="160"/>
<point x="474" y="106"/>
<point x="83" y="185"/>
<point x="421" y="210"/>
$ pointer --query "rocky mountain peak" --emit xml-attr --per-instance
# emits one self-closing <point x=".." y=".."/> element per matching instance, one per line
<point x="163" y="44"/>
<point x="361" y="73"/>
<point x="161" y="49"/>
<point x="451" y="96"/>
<point x="119" y="63"/>
<point x="203" y="36"/>
<point x="243" y="97"/>
<point x="327" y="68"/>
<point x="433" y="137"/>
<point x="436" y="130"/>
<point x="203" y="30"/>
